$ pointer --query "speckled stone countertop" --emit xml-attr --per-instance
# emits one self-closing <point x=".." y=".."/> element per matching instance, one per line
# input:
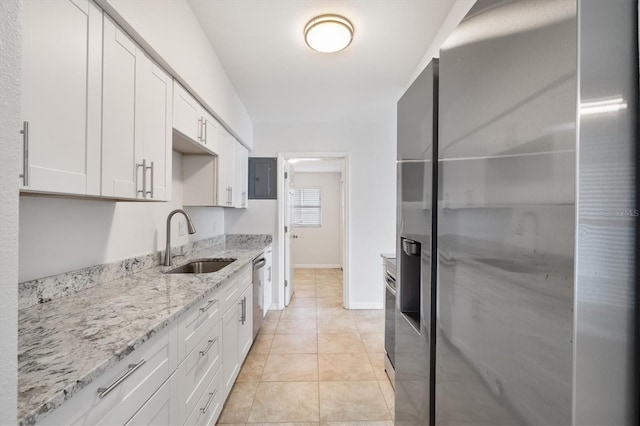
<point x="66" y="343"/>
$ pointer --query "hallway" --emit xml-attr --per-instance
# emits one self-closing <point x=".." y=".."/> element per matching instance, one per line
<point x="314" y="362"/>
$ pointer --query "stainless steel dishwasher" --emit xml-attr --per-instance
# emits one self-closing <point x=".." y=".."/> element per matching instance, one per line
<point x="259" y="263"/>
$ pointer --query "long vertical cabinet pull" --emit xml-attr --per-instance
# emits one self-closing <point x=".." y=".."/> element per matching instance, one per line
<point x="25" y="153"/>
<point x="204" y="130"/>
<point x="244" y="309"/>
<point x="143" y="165"/>
<point x="241" y="310"/>
<point x="150" y="168"/>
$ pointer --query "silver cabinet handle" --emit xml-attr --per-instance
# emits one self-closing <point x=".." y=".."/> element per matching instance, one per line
<point x="391" y="289"/>
<point x="244" y="309"/>
<point x="211" y="396"/>
<point x="241" y="310"/>
<point x="209" y="346"/>
<point x="151" y="181"/>
<point x="102" y="392"/>
<point x="200" y="129"/>
<point x="204" y="129"/>
<point x="142" y="191"/>
<point x="231" y="197"/>
<point x="269" y="273"/>
<point x="25" y="153"/>
<point x="228" y="195"/>
<point x="208" y="305"/>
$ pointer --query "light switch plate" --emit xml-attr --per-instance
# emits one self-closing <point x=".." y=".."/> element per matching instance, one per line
<point x="182" y="229"/>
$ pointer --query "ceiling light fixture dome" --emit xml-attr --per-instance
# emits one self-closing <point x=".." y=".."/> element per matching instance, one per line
<point x="328" y="33"/>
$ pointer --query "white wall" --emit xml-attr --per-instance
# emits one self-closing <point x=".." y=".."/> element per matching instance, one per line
<point x="171" y="30"/>
<point x="372" y="148"/>
<point x="10" y="51"/>
<point x="320" y="247"/>
<point x="62" y="234"/>
<point x="455" y="16"/>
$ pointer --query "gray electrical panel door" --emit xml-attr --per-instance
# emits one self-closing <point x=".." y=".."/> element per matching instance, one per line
<point x="262" y="178"/>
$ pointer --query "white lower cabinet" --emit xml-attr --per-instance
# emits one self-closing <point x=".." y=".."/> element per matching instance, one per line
<point x="122" y="390"/>
<point x="157" y="411"/>
<point x="245" y="329"/>
<point x="230" y="352"/>
<point x="182" y="375"/>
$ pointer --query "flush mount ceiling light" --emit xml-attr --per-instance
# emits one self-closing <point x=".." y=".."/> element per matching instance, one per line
<point x="328" y="33"/>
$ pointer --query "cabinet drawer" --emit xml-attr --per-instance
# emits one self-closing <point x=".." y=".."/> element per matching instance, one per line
<point x="209" y="405"/>
<point x="196" y="370"/>
<point x="140" y="374"/>
<point x="192" y="329"/>
<point x="157" y="410"/>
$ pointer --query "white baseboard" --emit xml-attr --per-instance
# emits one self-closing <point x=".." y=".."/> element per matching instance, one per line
<point x="367" y="306"/>
<point x="274" y="307"/>
<point x="317" y="266"/>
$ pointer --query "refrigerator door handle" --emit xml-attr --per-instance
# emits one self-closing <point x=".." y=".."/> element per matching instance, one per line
<point x="410" y="247"/>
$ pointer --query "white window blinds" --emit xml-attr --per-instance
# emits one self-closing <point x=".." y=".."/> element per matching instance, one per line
<point x="306" y="207"/>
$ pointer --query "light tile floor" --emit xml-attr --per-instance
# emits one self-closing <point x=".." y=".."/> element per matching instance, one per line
<point x="314" y="363"/>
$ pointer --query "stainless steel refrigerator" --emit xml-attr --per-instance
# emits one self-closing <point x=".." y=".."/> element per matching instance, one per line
<point x="528" y="312"/>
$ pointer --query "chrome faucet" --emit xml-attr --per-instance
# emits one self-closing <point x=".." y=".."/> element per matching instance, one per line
<point x="190" y="228"/>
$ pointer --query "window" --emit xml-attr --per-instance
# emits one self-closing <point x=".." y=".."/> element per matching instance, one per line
<point x="306" y="207"/>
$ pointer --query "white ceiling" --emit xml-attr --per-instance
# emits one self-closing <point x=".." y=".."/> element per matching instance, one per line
<point x="279" y="79"/>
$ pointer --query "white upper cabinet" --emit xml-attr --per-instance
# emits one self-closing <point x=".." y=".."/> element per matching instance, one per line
<point x="136" y="117"/>
<point x="210" y="133"/>
<point x="241" y="178"/>
<point x="61" y="90"/>
<point x="154" y="112"/>
<point x="187" y="113"/>
<point x="119" y="171"/>
<point x="193" y="122"/>
<point x="217" y="181"/>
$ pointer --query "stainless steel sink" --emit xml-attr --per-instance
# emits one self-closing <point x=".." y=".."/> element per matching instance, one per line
<point x="201" y="266"/>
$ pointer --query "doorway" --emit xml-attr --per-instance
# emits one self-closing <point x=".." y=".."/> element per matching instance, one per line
<point x="313" y="219"/>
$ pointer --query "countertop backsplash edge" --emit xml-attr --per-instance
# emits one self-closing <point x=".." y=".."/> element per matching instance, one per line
<point x="42" y="290"/>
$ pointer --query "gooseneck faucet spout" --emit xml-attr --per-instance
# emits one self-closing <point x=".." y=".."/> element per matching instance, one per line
<point x="190" y="228"/>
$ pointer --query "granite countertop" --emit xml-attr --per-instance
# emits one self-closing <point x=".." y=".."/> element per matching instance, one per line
<point x="66" y="343"/>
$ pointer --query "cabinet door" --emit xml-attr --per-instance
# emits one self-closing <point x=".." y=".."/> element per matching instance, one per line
<point x="187" y="113"/>
<point x="154" y="121"/>
<point x="268" y="274"/>
<point x="61" y="92"/>
<point x="120" y="173"/>
<point x="223" y="196"/>
<point x="230" y="346"/>
<point x="211" y="133"/>
<point x="245" y="332"/>
<point x="240" y="175"/>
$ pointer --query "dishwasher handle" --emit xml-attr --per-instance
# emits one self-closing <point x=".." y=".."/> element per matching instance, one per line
<point x="257" y="264"/>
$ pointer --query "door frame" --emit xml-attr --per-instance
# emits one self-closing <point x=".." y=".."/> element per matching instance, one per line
<point x="345" y="206"/>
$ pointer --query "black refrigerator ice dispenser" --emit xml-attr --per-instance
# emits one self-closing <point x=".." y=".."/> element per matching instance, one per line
<point x="410" y="295"/>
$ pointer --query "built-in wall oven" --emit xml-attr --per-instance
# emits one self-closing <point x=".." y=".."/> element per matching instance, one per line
<point x="389" y="315"/>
